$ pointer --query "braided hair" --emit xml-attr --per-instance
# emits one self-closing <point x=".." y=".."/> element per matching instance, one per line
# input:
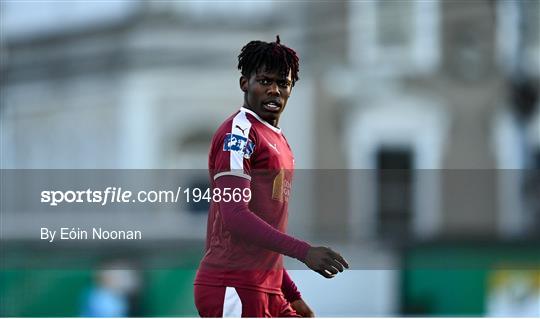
<point x="273" y="56"/>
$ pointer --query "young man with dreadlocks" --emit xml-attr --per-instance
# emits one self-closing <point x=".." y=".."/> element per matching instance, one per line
<point x="242" y="272"/>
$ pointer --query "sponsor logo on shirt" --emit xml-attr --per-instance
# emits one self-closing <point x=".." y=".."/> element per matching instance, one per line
<point x="281" y="188"/>
<point x="239" y="144"/>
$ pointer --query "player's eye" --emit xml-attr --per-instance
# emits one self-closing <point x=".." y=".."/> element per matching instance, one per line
<point x="265" y="82"/>
<point x="284" y="84"/>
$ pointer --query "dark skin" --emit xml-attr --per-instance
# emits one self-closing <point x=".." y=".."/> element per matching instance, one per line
<point x="302" y="308"/>
<point x="264" y="87"/>
<point x="269" y="87"/>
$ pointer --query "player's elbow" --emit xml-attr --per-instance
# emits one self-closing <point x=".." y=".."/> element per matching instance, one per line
<point x="231" y="217"/>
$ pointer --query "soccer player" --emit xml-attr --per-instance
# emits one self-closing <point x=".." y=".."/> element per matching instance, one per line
<point x="242" y="273"/>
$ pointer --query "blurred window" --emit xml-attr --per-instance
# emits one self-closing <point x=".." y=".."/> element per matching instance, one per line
<point x="536" y="159"/>
<point x="191" y="154"/>
<point x="394" y="193"/>
<point x="195" y="206"/>
<point x="531" y="25"/>
<point x="395" y="37"/>
<point x="518" y="35"/>
<point x="394" y="23"/>
<point x="531" y="36"/>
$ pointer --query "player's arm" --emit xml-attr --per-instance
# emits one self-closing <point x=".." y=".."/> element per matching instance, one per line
<point x="293" y="296"/>
<point x="289" y="289"/>
<point x="239" y="220"/>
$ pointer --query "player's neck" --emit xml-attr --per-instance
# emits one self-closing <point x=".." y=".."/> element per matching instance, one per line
<point x="274" y="123"/>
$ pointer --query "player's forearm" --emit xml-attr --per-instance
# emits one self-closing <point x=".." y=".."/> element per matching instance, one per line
<point x="289" y="289"/>
<point x="240" y="221"/>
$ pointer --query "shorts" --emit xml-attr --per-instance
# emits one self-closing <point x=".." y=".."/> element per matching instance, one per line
<point x="240" y="302"/>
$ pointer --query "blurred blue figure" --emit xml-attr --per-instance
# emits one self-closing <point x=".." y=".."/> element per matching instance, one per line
<point x="110" y="295"/>
<point x="104" y="302"/>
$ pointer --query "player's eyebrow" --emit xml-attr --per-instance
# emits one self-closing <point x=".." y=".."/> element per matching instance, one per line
<point x="273" y="78"/>
<point x="267" y="75"/>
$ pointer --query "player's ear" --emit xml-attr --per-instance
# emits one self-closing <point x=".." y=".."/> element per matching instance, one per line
<point x="243" y="83"/>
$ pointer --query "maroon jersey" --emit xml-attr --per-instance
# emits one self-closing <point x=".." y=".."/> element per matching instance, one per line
<point x="246" y="146"/>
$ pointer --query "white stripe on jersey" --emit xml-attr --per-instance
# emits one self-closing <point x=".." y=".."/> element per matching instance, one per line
<point x="232" y="305"/>
<point x="240" y="126"/>
<point x="233" y="173"/>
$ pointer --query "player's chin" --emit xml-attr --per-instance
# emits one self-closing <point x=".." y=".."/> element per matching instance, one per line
<point x="270" y="116"/>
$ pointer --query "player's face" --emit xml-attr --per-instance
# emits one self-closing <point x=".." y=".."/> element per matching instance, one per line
<point x="266" y="93"/>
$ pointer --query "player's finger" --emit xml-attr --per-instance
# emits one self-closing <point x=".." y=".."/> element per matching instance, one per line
<point x="328" y="267"/>
<point x="330" y="274"/>
<point x="340" y="259"/>
<point x="335" y="264"/>
<point x="331" y="269"/>
<point x="322" y="273"/>
<point x="325" y="274"/>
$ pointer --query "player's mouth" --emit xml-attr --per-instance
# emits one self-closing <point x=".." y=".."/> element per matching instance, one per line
<point x="272" y="106"/>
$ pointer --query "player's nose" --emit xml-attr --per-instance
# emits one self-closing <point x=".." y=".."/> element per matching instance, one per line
<point x="273" y="89"/>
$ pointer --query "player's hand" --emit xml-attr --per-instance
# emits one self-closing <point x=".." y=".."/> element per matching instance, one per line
<point x="325" y="261"/>
<point x="302" y="308"/>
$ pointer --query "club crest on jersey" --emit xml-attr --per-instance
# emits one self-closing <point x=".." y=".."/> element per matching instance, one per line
<point x="240" y="144"/>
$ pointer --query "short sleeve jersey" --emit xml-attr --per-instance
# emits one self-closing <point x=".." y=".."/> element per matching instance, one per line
<point x="248" y="147"/>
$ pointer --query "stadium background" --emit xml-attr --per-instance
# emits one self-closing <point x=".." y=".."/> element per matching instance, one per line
<point x="445" y="91"/>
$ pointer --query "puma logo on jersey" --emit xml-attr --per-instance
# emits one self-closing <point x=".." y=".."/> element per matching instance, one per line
<point x="273" y="146"/>
<point x="241" y="129"/>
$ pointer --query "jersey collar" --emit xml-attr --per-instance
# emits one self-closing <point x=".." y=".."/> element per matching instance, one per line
<point x="270" y="126"/>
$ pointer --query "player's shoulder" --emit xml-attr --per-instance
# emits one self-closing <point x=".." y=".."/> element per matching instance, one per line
<point x="240" y="122"/>
<point x="236" y="134"/>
